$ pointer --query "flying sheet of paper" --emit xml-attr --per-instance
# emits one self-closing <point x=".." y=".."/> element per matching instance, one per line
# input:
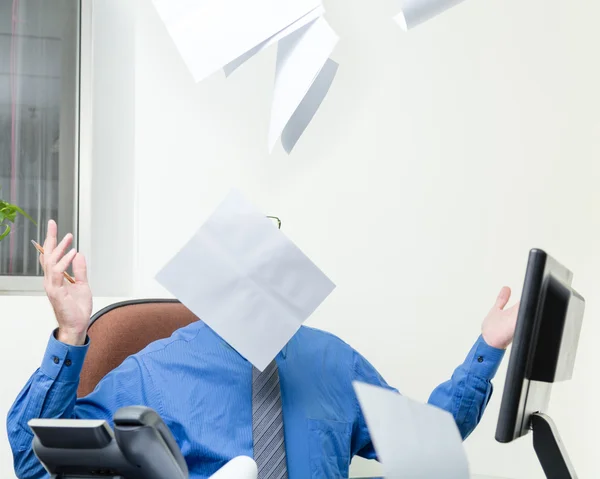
<point x="300" y="58"/>
<point x="215" y="34"/>
<point x="308" y="106"/>
<point x="211" y="33"/>
<point x="306" y="19"/>
<point x="246" y="280"/>
<point x="412" y="440"/>
<point x="415" y="12"/>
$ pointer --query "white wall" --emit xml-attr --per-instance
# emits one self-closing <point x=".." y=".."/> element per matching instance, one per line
<point x="111" y="240"/>
<point x="439" y="158"/>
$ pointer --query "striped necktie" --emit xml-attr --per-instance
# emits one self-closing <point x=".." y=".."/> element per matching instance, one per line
<point x="267" y="424"/>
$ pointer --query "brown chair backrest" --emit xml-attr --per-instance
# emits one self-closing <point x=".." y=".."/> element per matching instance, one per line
<point x="123" y="329"/>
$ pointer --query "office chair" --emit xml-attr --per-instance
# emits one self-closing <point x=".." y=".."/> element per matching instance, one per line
<point x="123" y="329"/>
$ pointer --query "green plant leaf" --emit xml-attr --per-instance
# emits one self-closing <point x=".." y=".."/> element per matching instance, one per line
<point x="8" y="213"/>
<point x="19" y="210"/>
<point x="5" y="233"/>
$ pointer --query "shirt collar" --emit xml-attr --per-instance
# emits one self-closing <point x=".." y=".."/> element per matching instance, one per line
<point x="227" y="345"/>
<point x="283" y="351"/>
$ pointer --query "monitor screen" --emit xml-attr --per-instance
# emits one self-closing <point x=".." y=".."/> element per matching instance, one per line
<point x="544" y="346"/>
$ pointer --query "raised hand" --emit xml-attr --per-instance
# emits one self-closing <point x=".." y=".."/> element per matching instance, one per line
<point x="72" y="303"/>
<point x="498" y="327"/>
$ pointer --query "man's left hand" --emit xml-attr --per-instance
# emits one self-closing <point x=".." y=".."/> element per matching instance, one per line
<point x="498" y="327"/>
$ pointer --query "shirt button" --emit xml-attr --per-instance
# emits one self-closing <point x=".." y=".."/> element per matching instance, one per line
<point x="56" y="360"/>
<point x="480" y="359"/>
<point x="67" y="362"/>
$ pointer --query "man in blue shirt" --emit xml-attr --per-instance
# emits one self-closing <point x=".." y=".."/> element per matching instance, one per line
<point x="202" y="387"/>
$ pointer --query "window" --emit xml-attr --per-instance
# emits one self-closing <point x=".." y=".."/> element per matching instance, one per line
<point x="39" y="116"/>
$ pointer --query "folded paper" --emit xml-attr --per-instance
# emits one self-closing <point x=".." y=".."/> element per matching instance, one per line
<point x="300" y="58"/>
<point x="211" y="33"/>
<point x="245" y="279"/>
<point x="224" y="34"/>
<point x="301" y="22"/>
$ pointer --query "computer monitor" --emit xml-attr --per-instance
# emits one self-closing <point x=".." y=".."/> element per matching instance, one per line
<point x="543" y="352"/>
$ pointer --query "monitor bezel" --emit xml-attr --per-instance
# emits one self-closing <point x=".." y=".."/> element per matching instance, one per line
<point x="521" y="396"/>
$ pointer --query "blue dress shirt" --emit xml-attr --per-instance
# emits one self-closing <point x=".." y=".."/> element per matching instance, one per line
<point x="202" y="389"/>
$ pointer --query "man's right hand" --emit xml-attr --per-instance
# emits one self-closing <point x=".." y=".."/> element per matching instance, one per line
<point x="72" y="303"/>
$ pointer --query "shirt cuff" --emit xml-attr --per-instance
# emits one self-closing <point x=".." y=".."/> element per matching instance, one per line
<point x="484" y="360"/>
<point x="63" y="362"/>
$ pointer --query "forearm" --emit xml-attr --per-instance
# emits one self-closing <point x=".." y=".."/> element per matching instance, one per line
<point x="465" y="397"/>
<point x="40" y="398"/>
<point x="468" y="392"/>
<point x="51" y="392"/>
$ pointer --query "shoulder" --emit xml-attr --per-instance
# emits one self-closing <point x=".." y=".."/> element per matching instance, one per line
<point x="181" y="338"/>
<point x="318" y="343"/>
<point x="319" y="338"/>
<point x="322" y="350"/>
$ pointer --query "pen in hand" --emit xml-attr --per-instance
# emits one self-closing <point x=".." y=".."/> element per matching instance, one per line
<point x="67" y="276"/>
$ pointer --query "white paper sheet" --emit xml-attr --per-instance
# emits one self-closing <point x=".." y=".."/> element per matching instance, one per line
<point x="209" y="34"/>
<point x="240" y="467"/>
<point x="215" y="34"/>
<point x="305" y="20"/>
<point x="308" y="106"/>
<point x="412" y="440"/>
<point x="300" y="58"/>
<point x="246" y="280"/>
<point x="415" y="12"/>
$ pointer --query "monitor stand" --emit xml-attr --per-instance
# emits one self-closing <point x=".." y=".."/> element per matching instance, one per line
<point x="549" y="448"/>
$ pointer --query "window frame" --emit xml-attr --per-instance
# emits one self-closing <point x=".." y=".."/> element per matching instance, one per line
<point x="33" y="285"/>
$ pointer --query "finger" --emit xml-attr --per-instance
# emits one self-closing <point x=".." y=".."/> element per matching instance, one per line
<point x="59" y="268"/>
<point x="503" y="298"/>
<point x="80" y="268"/>
<point x="42" y="260"/>
<point x="54" y="257"/>
<point x="50" y="241"/>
